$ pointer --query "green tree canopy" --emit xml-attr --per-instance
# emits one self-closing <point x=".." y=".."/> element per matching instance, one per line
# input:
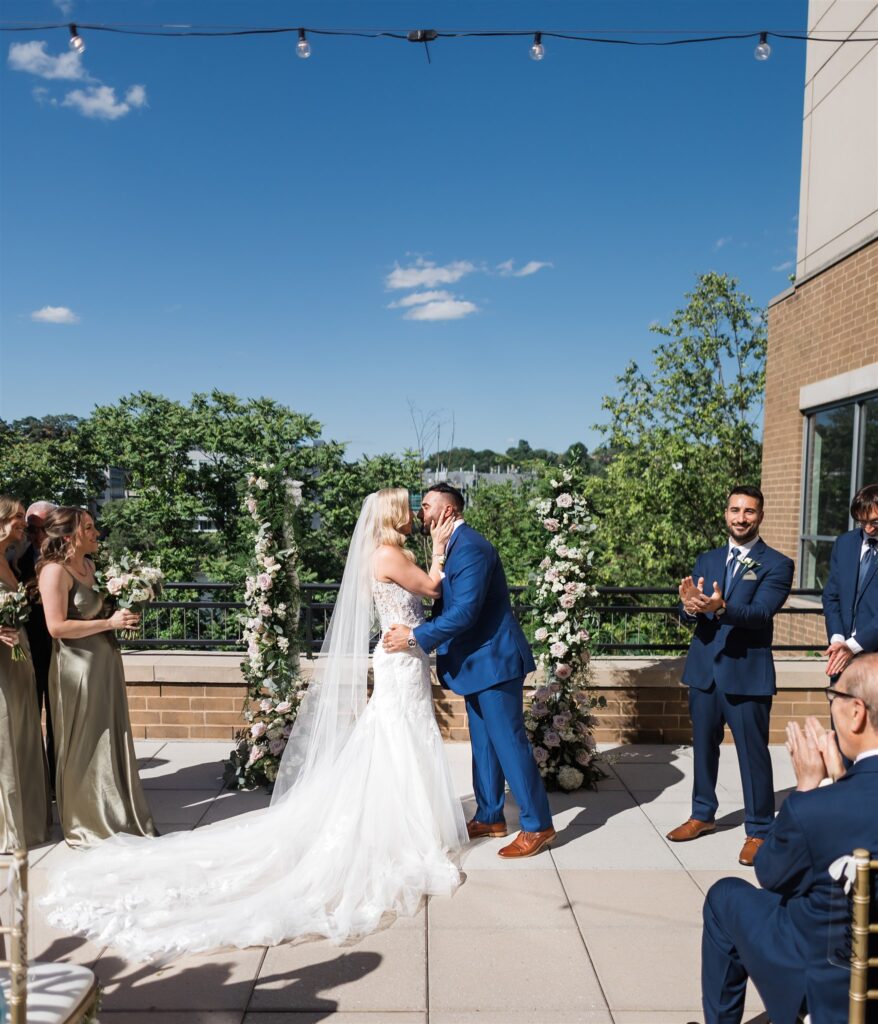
<point x="681" y="436"/>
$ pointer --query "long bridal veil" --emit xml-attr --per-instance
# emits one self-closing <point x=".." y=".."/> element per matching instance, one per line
<point x="363" y="820"/>
<point x="336" y="693"/>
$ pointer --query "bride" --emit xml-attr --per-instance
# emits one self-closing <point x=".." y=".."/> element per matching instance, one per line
<point x="363" y="819"/>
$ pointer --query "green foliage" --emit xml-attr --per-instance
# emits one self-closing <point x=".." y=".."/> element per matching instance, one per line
<point x="185" y="468"/>
<point x="681" y="437"/>
<point x="504" y="514"/>
<point x="522" y="457"/>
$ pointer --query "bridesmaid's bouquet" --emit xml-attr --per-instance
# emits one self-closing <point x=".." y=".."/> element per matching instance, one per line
<point x="132" y="585"/>
<point x="14" y="612"/>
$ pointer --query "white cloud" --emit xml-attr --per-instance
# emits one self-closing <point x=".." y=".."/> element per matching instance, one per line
<point x="721" y="243"/>
<point x="32" y="58"/>
<point x="41" y="94"/>
<point x="443" y="309"/>
<point x="136" y="96"/>
<point x="426" y="274"/>
<point x="417" y="298"/>
<point x="100" y="101"/>
<point x="64" y="6"/>
<point x="507" y="269"/>
<point x="786" y="265"/>
<point x="54" y="315"/>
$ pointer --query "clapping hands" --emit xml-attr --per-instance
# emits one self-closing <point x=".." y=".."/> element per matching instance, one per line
<point x="814" y="753"/>
<point x="694" y="599"/>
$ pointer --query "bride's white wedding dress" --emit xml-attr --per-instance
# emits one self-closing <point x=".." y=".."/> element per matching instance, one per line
<point x="369" y="834"/>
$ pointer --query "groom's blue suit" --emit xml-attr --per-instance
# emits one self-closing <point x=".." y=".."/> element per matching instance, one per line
<point x="482" y="654"/>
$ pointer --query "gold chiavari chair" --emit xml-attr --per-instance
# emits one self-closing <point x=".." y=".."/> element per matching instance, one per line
<point x="39" y="993"/>
<point x="862" y="927"/>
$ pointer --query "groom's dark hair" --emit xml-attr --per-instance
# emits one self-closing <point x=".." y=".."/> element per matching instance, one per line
<point x="452" y="493"/>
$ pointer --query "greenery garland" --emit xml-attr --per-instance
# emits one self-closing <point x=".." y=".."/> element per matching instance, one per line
<point x="271" y="635"/>
<point x="559" y="718"/>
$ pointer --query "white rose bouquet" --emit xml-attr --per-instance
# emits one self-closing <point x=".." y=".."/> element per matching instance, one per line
<point x="131" y="584"/>
<point x="14" y="612"/>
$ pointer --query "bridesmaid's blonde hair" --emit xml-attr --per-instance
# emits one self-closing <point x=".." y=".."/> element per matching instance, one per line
<point x="9" y="506"/>
<point x="393" y="514"/>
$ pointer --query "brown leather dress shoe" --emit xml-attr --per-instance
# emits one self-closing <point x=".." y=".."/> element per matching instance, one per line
<point x="479" y="829"/>
<point x="749" y="851"/>
<point x="691" y="829"/>
<point x="526" y="844"/>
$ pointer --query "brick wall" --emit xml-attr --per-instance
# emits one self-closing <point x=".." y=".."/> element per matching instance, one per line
<point x="201" y="696"/>
<point x="827" y="326"/>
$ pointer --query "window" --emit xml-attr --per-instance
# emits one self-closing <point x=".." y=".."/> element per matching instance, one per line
<point x="841" y="455"/>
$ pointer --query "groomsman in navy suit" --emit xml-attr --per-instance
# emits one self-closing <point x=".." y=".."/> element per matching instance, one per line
<point x="791" y="936"/>
<point x="730" y="669"/>
<point x="850" y="597"/>
<point x="482" y="654"/>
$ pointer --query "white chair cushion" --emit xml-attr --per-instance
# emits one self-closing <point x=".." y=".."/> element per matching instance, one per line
<point x="55" y="992"/>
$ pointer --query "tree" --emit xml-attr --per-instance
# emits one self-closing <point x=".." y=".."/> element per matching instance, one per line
<point x="48" y="459"/>
<point x="681" y="437"/>
<point x="504" y="514"/>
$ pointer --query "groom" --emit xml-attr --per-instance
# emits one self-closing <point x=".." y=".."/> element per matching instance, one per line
<point x="482" y="654"/>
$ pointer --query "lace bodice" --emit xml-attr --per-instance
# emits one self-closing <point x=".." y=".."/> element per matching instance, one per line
<point x="395" y="604"/>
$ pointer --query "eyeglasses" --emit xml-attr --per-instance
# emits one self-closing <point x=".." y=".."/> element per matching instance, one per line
<point x="868" y="522"/>
<point x="832" y="693"/>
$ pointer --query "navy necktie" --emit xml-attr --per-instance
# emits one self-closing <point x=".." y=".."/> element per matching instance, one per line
<point x="731" y="565"/>
<point x="866" y="560"/>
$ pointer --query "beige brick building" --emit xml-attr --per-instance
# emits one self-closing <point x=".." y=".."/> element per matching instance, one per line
<point x="821" y="397"/>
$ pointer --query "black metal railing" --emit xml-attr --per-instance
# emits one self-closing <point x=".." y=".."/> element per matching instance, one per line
<point x="641" y="620"/>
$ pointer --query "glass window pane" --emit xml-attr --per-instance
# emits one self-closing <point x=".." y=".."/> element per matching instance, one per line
<point x="815" y="563"/>
<point x="869" y="416"/>
<point x="827" y="494"/>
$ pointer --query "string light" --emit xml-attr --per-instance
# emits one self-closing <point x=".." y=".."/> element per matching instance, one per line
<point x="303" y="47"/>
<point x="537" y="50"/>
<point x="76" y="43"/>
<point x="763" y="50"/>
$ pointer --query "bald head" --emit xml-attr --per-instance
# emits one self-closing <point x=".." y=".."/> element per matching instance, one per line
<point x="860" y="679"/>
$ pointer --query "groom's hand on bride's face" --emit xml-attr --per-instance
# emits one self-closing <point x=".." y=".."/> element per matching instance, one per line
<point x="396" y="639"/>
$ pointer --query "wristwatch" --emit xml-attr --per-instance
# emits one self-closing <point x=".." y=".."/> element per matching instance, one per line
<point x="720" y="611"/>
<point x="411" y="642"/>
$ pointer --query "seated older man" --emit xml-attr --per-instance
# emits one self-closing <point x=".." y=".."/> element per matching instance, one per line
<point x="790" y="936"/>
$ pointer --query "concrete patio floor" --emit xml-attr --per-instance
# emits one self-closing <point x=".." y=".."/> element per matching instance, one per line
<point x="603" y="929"/>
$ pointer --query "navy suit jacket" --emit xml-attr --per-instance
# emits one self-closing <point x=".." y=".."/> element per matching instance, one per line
<point x="477" y="639"/>
<point x="841" y="609"/>
<point x="811" y="831"/>
<point x="734" y="649"/>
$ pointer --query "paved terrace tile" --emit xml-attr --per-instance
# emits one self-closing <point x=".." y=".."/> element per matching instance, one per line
<point x="603" y="929"/>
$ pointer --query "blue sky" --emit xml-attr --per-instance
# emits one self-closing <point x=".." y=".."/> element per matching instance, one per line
<point x="218" y="213"/>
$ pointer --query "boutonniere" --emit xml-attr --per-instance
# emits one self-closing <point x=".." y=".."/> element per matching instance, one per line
<point x="748" y="563"/>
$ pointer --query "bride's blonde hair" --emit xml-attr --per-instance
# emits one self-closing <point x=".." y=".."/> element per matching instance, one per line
<point x="393" y="514"/>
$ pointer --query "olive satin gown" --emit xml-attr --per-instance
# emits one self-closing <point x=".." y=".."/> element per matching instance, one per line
<point x="25" y="801"/>
<point x="97" y="785"/>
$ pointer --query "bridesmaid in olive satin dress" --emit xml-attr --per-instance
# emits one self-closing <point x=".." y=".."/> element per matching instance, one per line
<point x="25" y="801"/>
<point x="97" y="785"/>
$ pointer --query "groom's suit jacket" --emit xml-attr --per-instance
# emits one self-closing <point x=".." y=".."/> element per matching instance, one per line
<point x="477" y="639"/>
<point x="841" y="608"/>
<point x="734" y="649"/>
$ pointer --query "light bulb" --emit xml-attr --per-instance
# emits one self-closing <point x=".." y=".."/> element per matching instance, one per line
<point x="763" y="50"/>
<point x="303" y="47"/>
<point x="76" y="42"/>
<point x="537" y="50"/>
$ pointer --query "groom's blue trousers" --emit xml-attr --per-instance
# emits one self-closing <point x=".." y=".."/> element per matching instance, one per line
<point x="502" y="753"/>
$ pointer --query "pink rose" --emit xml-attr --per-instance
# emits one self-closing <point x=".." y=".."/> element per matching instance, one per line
<point x="563" y="671"/>
<point x="264" y="581"/>
<point x="114" y="585"/>
<point x="540" y="755"/>
<point x="564" y="501"/>
<point x="284" y="707"/>
<point x="567" y="601"/>
<point x="551" y="524"/>
<point x="258" y="729"/>
<point x="265" y="704"/>
<point x="552" y="739"/>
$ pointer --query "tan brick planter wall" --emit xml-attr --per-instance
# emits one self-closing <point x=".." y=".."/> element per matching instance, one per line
<point x="200" y="696"/>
